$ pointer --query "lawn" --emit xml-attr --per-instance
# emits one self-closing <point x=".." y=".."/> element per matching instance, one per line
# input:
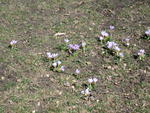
<point x="74" y="56"/>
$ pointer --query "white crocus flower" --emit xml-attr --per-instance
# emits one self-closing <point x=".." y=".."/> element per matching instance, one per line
<point x="117" y="48"/>
<point x="121" y="54"/>
<point x="95" y="80"/>
<point x="54" y="64"/>
<point x="127" y="44"/>
<point x="49" y="55"/>
<point x="62" y="68"/>
<point x="101" y="38"/>
<point x="83" y="92"/>
<point x="58" y="62"/>
<point x="83" y="44"/>
<point x="87" y="92"/>
<point x="77" y="71"/>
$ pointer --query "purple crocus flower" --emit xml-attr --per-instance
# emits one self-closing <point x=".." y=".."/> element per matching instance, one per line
<point x="141" y="52"/>
<point x="74" y="46"/>
<point x="111" y="45"/>
<point x="66" y="40"/>
<point x="104" y="34"/>
<point x="13" y="42"/>
<point x="111" y="27"/>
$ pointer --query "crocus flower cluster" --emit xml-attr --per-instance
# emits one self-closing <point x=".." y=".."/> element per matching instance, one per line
<point x="86" y="92"/>
<point x="112" y="46"/>
<point x="92" y="80"/>
<point x="13" y="42"/>
<point x="51" y="55"/>
<point x="56" y="64"/>
<point x="147" y="32"/>
<point x="74" y="47"/>
<point x="141" y="52"/>
<point x="104" y="36"/>
<point x="115" y="48"/>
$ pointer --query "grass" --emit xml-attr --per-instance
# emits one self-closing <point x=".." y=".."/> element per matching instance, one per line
<point x="26" y="82"/>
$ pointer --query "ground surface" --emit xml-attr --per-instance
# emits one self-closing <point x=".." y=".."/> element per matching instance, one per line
<point x="26" y="82"/>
